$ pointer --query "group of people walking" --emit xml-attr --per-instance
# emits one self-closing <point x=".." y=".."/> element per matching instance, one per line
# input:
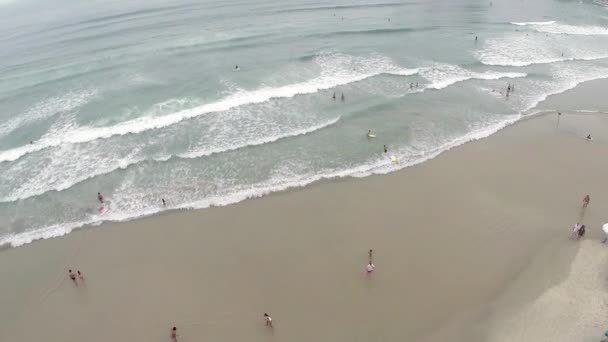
<point x="579" y="229"/>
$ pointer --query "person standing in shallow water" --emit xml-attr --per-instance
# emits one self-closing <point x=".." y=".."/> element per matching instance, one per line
<point x="174" y="334"/>
<point x="100" y="197"/>
<point x="342" y="97"/>
<point x="370" y="254"/>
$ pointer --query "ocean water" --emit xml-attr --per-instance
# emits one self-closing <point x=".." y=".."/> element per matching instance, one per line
<point x="141" y="100"/>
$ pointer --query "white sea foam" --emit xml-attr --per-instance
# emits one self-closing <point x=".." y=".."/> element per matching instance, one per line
<point x="573" y="310"/>
<point x="567" y="77"/>
<point x="534" y="23"/>
<point x="135" y="205"/>
<point x="556" y="28"/>
<point x="572" y="29"/>
<point x="261" y="140"/>
<point x="517" y="50"/>
<point x="386" y="166"/>
<point x="60" y="172"/>
<point x="138" y="206"/>
<point x="444" y="75"/>
<point x="337" y="70"/>
<point x="134" y="208"/>
<point x="48" y="107"/>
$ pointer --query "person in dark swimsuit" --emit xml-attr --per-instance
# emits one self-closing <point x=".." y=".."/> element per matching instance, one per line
<point x="581" y="231"/>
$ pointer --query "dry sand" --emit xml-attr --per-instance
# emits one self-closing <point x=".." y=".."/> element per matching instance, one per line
<point x="459" y="242"/>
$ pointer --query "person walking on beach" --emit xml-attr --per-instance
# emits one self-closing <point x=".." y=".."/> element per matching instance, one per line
<point x="575" y="230"/>
<point x="581" y="231"/>
<point x="268" y="320"/>
<point x="174" y="334"/>
<point x="100" y="197"/>
<point x="578" y="231"/>
<point x="586" y="201"/>
<point x="370" y="267"/>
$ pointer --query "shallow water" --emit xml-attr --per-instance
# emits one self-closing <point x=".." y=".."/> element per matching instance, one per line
<point x="141" y="100"/>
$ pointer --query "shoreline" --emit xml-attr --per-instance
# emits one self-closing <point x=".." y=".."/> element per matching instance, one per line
<point x="26" y="238"/>
<point x="585" y="91"/>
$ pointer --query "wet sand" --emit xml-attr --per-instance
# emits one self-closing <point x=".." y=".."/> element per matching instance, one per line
<point x="460" y="242"/>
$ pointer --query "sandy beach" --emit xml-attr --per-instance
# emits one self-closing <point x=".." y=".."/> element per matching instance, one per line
<point x="470" y="246"/>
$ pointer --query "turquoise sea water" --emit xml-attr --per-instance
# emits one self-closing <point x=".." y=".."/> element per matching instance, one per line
<point x="141" y="100"/>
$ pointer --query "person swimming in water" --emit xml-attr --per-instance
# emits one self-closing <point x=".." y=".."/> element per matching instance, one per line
<point x="236" y="67"/>
<point x="589" y="137"/>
